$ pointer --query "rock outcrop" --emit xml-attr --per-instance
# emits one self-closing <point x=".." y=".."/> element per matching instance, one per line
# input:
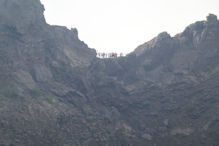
<point x="54" y="91"/>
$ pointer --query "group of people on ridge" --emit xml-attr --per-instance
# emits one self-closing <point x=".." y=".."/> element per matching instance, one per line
<point x="109" y="55"/>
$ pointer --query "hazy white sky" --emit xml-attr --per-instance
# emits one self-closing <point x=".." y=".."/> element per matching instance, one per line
<point x="122" y="25"/>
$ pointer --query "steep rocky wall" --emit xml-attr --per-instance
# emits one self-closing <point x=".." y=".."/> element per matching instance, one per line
<point x="53" y="91"/>
<point x="21" y="13"/>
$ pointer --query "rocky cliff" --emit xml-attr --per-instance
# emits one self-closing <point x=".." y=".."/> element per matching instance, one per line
<point x="54" y="91"/>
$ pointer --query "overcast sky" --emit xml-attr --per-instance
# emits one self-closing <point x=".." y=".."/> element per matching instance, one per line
<point x="122" y="25"/>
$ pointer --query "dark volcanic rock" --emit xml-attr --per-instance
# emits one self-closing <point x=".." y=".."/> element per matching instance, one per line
<point x="54" y="91"/>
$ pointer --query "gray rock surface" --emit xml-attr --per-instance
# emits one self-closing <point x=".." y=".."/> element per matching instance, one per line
<point x="54" y="91"/>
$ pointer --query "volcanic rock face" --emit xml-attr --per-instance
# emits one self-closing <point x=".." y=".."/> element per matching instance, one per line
<point x="54" y="91"/>
<point x="22" y="13"/>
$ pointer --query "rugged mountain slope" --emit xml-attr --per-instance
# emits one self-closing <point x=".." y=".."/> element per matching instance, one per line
<point x="54" y="91"/>
<point x="187" y="57"/>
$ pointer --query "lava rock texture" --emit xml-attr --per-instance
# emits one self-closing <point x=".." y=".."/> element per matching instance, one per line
<point x="55" y="92"/>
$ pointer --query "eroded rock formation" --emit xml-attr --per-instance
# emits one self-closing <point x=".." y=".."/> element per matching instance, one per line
<point x="54" y="91"/>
